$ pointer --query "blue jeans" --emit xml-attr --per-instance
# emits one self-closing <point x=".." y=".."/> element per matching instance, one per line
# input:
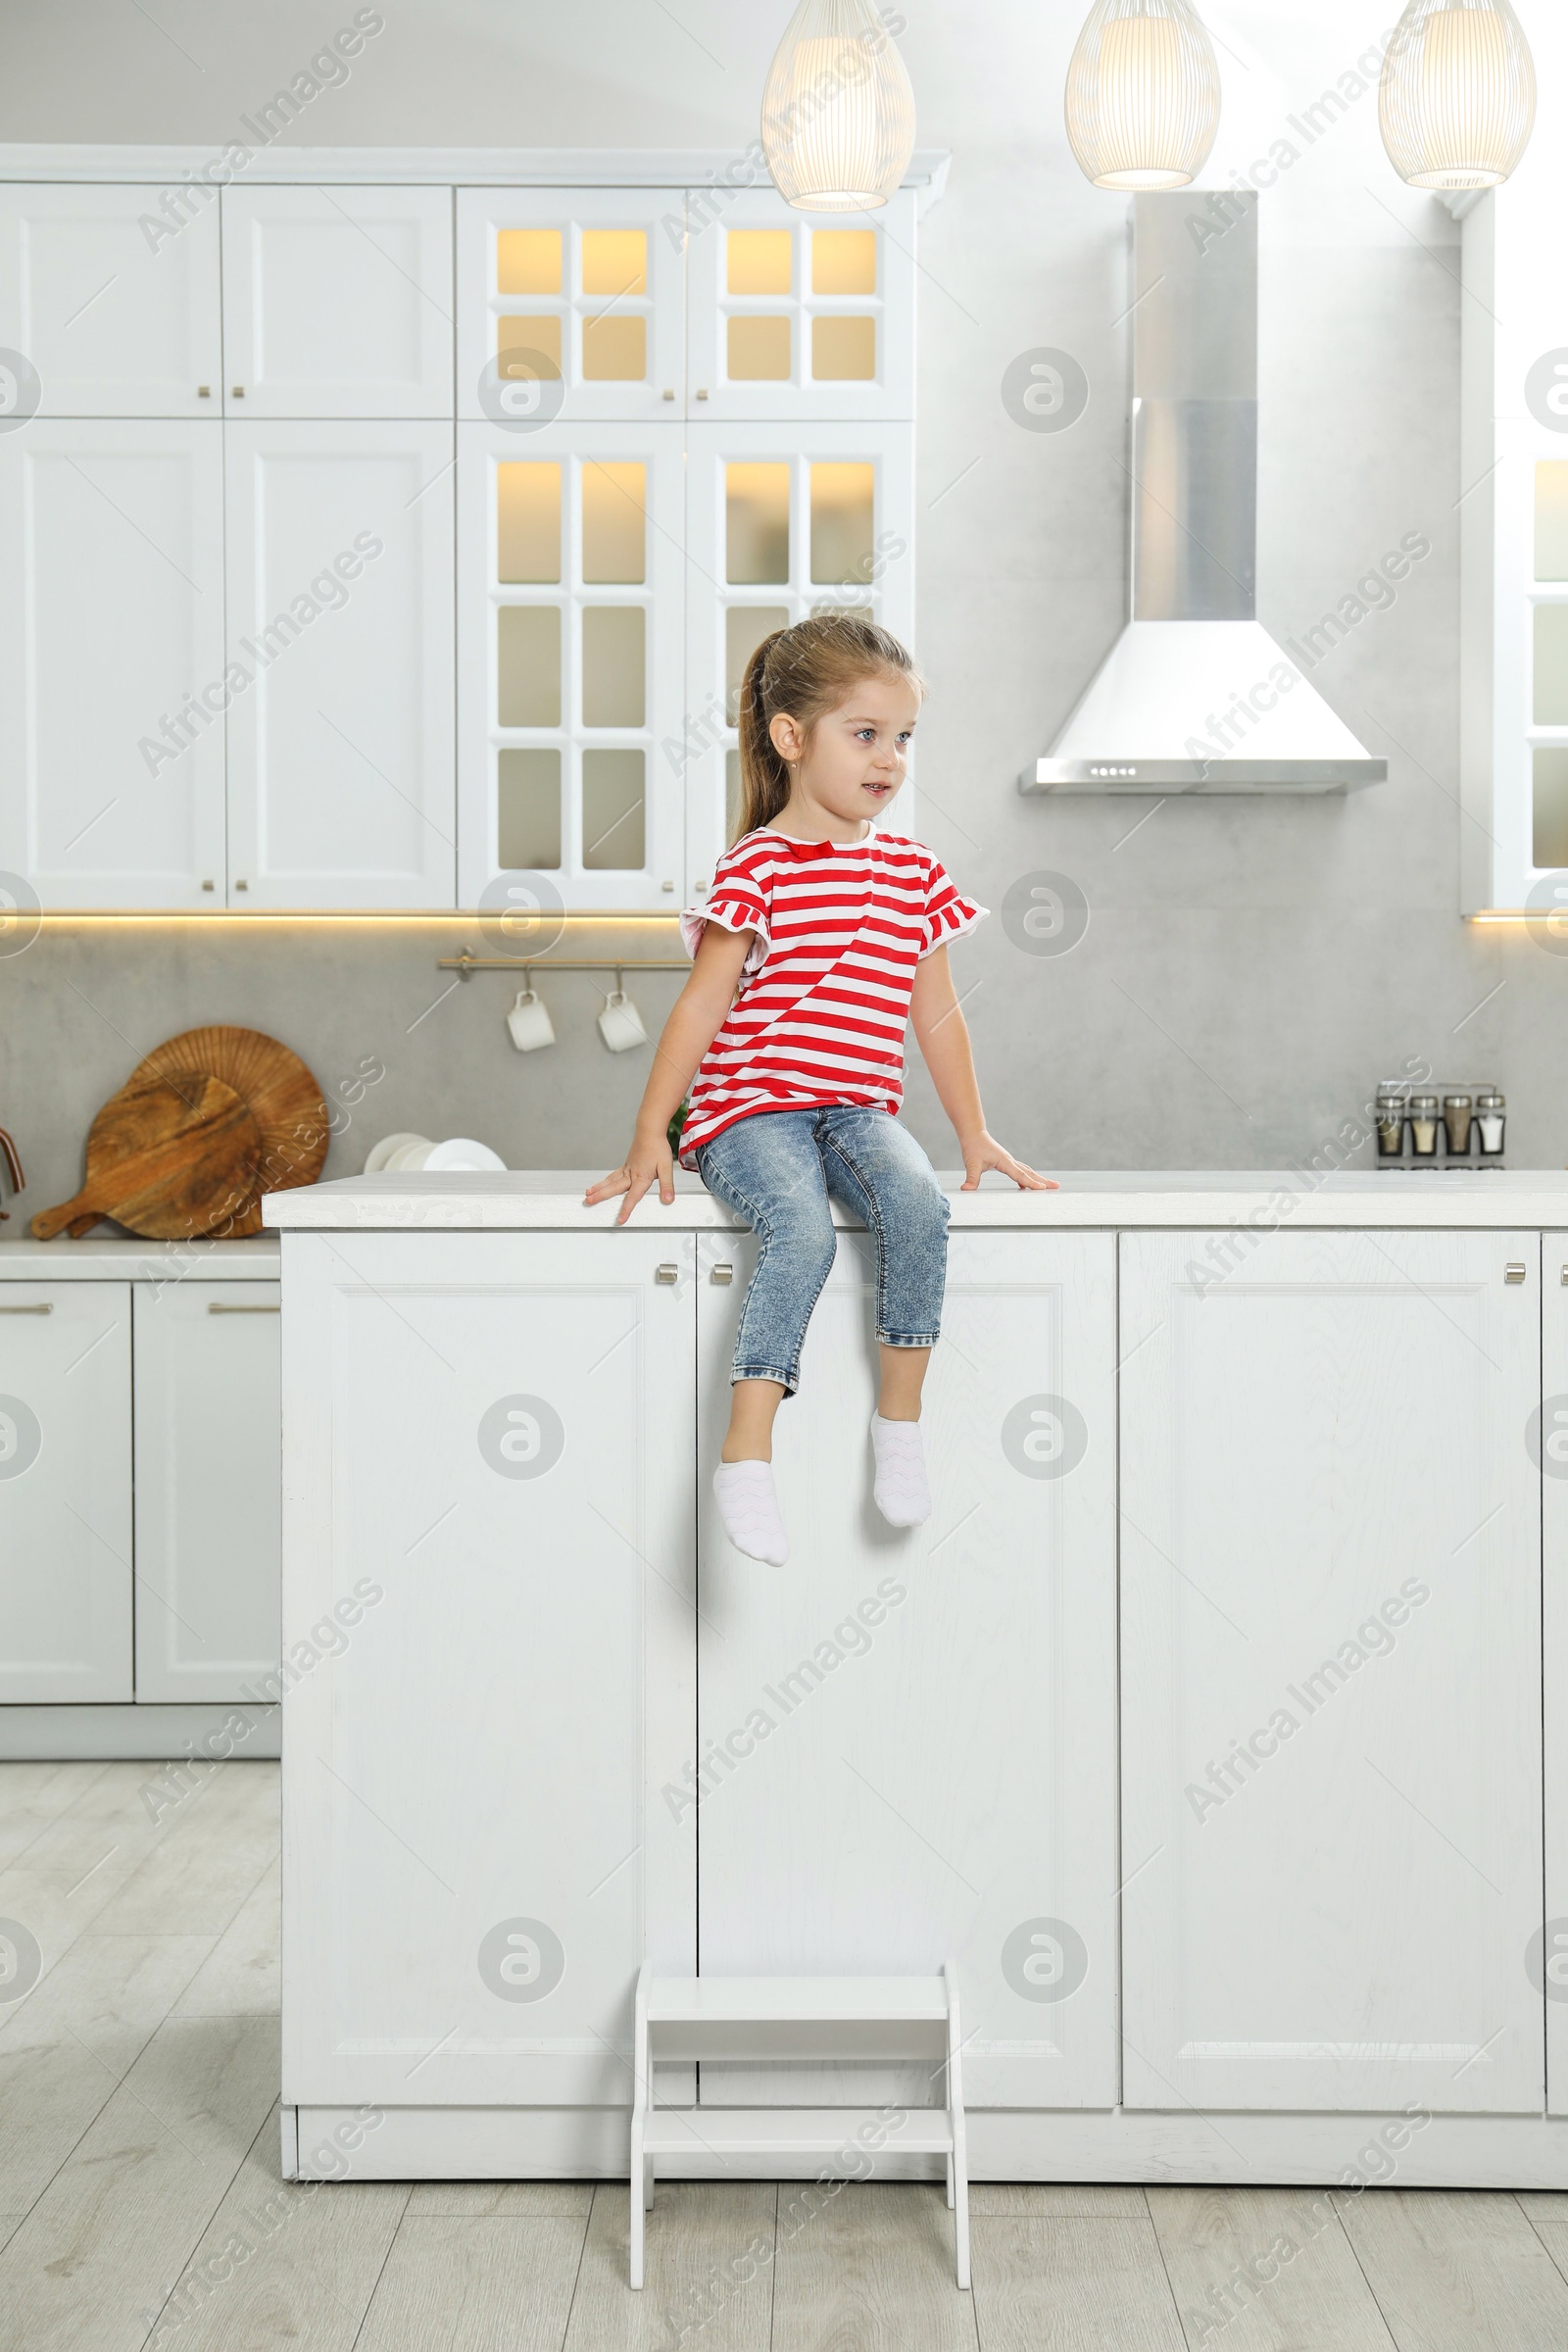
<point x="777" y="1169"/>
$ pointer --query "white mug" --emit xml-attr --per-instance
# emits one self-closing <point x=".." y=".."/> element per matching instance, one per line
<point x="620" y="1024"/>
<point x="529" y="1022"/>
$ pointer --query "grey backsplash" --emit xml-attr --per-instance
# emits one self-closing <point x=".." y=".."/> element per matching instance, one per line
<point x="1248" y="970"/>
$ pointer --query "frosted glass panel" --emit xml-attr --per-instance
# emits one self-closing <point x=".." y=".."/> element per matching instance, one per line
<point x="528" y="666"/>
<point x="842" y="509"/>
<point x="528" y="260"/>
<point x="614" y="261"/>
<point x="1551" y="665"/>
<point x="732" y="795"/>
<point x="745" y="627"/>
<point x="756" y="524"/>
<point x="614" y="530"/>
<point x="757" y="261"/>
<point x="1551" y="807"/>
<point x="615" y="349"/>
<point x="843" y="350"/>
<point x="844" y="261"/>
<point x="529" y="809"/>
<point x="612" y="665"/>
<point x="1552" y="519"/>
<point x="528" y="521"/>
<point x="612" y="809"/>
<point x="529" y="347"/>
<point x="758" y="351"/>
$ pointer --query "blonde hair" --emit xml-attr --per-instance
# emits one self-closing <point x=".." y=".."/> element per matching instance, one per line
<point x="802" y="674"/>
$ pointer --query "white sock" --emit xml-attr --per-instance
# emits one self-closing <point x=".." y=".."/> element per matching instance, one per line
<point x="748" y="1505"/>
<point x="903" y="1490"/>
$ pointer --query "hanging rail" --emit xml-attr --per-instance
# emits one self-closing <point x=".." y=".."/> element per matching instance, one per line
<point x="466" y="963"/>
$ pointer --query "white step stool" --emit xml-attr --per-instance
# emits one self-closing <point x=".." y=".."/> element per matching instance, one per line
<point x="679" y="2018"/>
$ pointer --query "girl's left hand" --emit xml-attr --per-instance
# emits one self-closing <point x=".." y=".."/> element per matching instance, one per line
<point x="986" y="1152"/>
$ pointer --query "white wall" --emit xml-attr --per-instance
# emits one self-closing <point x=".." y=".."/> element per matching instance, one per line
<point x="1248" y="970"/>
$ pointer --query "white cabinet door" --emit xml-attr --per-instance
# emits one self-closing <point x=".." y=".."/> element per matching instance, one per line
<point x="1549" y="1447"/>
<point x="111" y="294"/>
<point x="571" y="304"/>
<point x="337" y="302"/>
<point x="782" y="521"/>
<point x="64" y="1492"/>
<point x="804" y="316"/>
<point x="907" y="1741"/>
<point x="208" y="1495"/>
<point x="488" y="1545"/>
<point x="340" y="623"/>
<point x="112" y="687"/>
<point x="570" y="618"/>
<point x="1331" y="1661"/>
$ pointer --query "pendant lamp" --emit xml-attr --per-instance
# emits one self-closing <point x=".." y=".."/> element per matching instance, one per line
<point x="1142" y="94"/>
<point x="837" y="112"/>
<point x="1456" y="101"/>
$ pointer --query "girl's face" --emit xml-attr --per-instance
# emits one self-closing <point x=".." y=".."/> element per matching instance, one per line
<point x="852" y="762"/>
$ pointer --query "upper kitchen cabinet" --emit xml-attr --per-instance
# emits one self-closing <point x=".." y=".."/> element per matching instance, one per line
<point x="1331" y="1596"/>
<point x="341" y="789"/>
<point x="569" y="618"/>
<point x="337" y="302"/>
<point x="799" y="314"/>
<point x="782" y="521"/>
<point x="1514" y="522"/>
<point x="111" y="296"/>
<point x="571" y="304"/>
<point x="112" y="665"/>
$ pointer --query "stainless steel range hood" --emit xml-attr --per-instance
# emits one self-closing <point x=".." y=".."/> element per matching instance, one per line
<point x="1195" y="696"/>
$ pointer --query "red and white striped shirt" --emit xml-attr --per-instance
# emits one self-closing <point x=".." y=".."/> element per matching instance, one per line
<point x="824" y="995"/>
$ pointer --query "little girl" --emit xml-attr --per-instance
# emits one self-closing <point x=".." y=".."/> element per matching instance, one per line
<point x="820" y="938"/>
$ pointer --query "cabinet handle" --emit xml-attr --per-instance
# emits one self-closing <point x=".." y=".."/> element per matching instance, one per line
<point x="236" y="391"/>
<point x="44" y="1309"/>
<point x="1565" y="1275"/>
<point x="701" y="395"/>
<point x="1514" y="1271"/>
<point x="724" y="1273"/>
<point x="667" y="1273"/>
<point x="213" y="1308"/>
<point x="670" y="395"/>
<point x="204" y="391"/>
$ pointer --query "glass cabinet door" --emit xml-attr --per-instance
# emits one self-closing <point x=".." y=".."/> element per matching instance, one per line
<point x="799" y="314"/>
<point x="570" y="303"/>
<point x="781" y="523"/>
<point x="570" y="632"/>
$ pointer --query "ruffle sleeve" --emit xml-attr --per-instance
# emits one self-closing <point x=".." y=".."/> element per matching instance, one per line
<point x="949" y="914"/>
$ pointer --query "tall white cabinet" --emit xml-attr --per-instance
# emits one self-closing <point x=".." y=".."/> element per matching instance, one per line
<point x="906" y="1742"/>
<point x="1331" y="1671"/>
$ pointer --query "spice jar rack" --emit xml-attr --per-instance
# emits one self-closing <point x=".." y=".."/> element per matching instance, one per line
<point x="1440" y="1123"/>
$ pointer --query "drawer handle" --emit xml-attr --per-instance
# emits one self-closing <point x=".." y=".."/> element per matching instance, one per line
<point x="213" y="1308"/>
<point x="667" y="1273"/>
<point x="44" y="1309"/>
<point x="724" y="1273"/>
<point x="1514" y="1271"/>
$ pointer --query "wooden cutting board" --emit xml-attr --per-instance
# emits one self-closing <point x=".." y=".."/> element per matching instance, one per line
<point x="272" y="1085"/>
<point x="167" y="1158"/>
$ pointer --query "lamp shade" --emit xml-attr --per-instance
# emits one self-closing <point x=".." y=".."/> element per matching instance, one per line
<point x="1142" y="94"/>
<point x="837" y="112"/>
<point x="1456" y="100"/>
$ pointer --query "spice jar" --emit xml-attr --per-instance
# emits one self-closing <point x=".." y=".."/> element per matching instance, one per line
<point x="1490" y="1112"/>
<point x="1456" y="1120"/>
<point x="1424" y="1126"/>
<point x="1391" y="1124"/>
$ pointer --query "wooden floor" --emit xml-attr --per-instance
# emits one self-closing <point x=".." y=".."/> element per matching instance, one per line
<point x="140" y="2202"/>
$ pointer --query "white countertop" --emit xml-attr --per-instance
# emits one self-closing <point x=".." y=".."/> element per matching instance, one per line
<point x="121" y="1257"/>
<point x="552" y="1198"/>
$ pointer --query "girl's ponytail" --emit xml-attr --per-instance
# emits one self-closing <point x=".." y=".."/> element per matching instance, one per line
<point x="803" y="672"/>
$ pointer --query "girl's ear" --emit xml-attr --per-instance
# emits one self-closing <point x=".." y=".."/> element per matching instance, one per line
<point x="786" y="738"/>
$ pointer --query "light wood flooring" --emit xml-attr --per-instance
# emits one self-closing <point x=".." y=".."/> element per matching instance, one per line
<point x="140" y="2203"/>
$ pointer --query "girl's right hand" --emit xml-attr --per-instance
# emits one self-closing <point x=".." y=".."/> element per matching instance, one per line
<point x="647" y="1163"/>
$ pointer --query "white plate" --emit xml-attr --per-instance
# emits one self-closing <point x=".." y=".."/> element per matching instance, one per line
<point x="408" y="1157"/>
<point x="381" y="1152"/>
<point x="459" y="1154"/>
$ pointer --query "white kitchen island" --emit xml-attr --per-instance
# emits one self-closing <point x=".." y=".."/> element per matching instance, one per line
<point x="1214" y="1724"/>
